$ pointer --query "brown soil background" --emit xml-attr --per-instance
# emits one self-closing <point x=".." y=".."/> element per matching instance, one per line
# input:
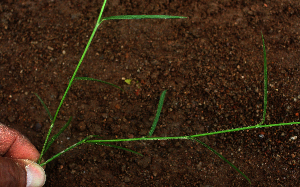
<point x="211" y="64"/>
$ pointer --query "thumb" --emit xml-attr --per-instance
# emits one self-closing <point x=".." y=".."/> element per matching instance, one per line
<point x="20" y="173"/>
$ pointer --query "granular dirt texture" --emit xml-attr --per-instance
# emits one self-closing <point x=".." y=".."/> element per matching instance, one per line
<point x="211" y="64"/>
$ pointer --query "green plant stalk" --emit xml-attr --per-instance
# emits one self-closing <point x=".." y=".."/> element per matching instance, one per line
<point x="80" y="61"/>
<point x="265" y="83"/>
<point x="57" y="135"/>
<point x="191" y="136"/>
<point x="68" y="149"/>
<point x="72" y="79"/>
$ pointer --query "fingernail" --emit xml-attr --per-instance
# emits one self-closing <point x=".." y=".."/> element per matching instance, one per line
<point x="36" y="176"/>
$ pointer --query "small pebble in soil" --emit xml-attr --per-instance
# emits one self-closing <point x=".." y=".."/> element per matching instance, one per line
<point x="81" y="126"/>
<point x="127" y="179"/>
<point x="144" y="162"/>
<point x="37" y="127"/>
<point x="11" y="118"/>
<point x="261" y="136"/>
<point x="50" y="48"/>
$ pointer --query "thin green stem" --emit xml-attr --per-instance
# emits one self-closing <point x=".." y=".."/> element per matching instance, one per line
<point x="68" y="149"/>
<point x="80" y="61"/>
<point x="191" y="136"/>
<point x="265" y="79"/>
<point x="101" y="12"/>
<point x="265" y="83"/>
<point x="72" y="79"/>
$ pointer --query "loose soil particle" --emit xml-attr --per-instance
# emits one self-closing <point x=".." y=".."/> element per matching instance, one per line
<point x="211" y="64"/>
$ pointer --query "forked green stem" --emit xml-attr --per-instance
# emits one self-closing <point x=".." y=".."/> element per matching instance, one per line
<point x="99" y="21"/>
<point x="47" y="143"/>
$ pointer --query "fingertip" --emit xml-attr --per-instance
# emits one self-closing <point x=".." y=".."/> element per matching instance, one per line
<point x="35" y="174"/>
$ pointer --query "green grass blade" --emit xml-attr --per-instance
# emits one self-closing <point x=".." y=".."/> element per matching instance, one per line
<point x="45" y="107"/>
<point x="143" y="17"/>
<point x="68" y="149"/>
<point x="160" y="105"/>
<point x="56" y="135"/>
<point x="92" y="79"/>
<point x="265" y="80"/>
<point x="223" y="158"/>
<point x="117" y="147"/>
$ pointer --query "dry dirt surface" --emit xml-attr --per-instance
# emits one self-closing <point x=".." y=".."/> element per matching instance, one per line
<point x="211" y="64"/>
